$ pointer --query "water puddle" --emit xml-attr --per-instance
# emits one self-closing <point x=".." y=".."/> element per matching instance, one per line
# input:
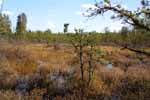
<point x="109" y="66"/>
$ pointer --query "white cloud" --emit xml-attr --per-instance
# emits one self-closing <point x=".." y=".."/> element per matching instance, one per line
<point x="6" y="12"/>
<point x="87" y="6"/>
<point x="124" y="6"/>
<point x="51" y="26"/>
<point x="1" y="2"/>
<point x="79" y="13"/>
<point x="116" y="26"/>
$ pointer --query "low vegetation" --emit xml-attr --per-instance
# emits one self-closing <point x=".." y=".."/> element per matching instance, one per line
<point x="35" y="71"/>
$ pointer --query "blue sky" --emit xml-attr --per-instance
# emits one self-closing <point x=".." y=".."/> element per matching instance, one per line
<point x="44" y="14"/>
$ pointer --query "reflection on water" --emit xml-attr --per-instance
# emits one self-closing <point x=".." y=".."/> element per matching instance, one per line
<point x="109" y="66"/>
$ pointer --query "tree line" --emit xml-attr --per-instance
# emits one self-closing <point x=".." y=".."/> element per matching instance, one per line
<point x="135" y="37"/>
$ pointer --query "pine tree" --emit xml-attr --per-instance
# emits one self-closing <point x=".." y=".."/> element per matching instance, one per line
<point x="5" y="24"/>
<point x="21" y="24"/>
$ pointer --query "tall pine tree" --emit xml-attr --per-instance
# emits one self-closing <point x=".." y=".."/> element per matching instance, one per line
<point x="21" y="24"/>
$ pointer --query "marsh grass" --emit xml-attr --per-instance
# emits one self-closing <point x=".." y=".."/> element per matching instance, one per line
<point x="38" y="62"/>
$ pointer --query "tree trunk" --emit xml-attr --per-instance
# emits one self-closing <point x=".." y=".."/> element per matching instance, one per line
<point x="81" y="62"/>
<point x="90" y="64"/>
<point x="137" y="51"/>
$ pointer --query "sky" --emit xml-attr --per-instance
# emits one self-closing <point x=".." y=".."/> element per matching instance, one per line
<point x="52" y="14"/>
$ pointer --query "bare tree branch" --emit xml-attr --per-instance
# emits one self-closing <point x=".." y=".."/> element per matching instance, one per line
<point x="134" y="18"/>
<point x="137" y="51"/>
